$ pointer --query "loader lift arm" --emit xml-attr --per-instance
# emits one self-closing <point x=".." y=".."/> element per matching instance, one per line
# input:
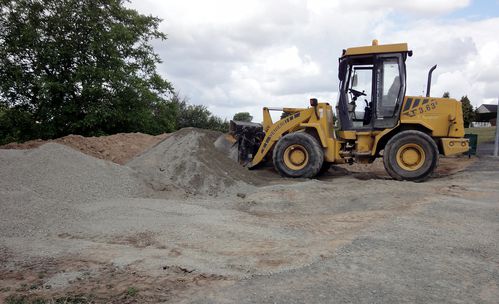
<point x="274" y="131"/>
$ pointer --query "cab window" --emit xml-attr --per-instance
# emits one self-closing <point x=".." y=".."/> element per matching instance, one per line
<point x="388" y="87"/>
<point x="359" y="94"/>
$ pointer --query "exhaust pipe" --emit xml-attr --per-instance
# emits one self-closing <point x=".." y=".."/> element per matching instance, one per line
<point x="429" y="80"/>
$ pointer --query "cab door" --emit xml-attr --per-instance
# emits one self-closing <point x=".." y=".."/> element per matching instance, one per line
<point x="389" y="89"/>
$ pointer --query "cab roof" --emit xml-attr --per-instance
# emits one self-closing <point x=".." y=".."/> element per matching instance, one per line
<point x="376" y="48"/>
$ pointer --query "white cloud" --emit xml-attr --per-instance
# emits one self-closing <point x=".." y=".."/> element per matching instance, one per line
<point x="419" y="6"/>
<point x="467" y="54"/>
<point x="243" y="55"/>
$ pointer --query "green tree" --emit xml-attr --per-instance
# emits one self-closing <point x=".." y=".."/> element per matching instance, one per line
<point x="446" y="95"/>
<point x="243" y="116"/>
<point x="197" y="116"/>
<point x="79" y="66"/>
<point x="218" y="124"/>
<point x="468" y="111"/>
<point x="194" y="116"/>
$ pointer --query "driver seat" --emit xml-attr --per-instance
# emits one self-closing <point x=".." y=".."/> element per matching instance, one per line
<point x="394" y="90"/>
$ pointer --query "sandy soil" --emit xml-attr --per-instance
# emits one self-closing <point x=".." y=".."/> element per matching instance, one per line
<point x="76" y="228"/>
<point x="446" y="166"/>
<point x="118" y="148"/>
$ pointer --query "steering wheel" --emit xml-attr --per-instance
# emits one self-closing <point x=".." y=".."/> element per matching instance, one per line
<point x="356" y="93"/>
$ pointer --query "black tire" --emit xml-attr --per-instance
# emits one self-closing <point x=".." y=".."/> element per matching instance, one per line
<point x="417" y="141"/>
<point x="325" y="168"/>
<point x="305" y="141"/>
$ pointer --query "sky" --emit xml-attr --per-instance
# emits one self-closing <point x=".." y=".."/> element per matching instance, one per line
<point x="239" y="56"/>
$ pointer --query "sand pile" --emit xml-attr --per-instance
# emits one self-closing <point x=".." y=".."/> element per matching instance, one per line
<point x="189" y="160"/>
<point x="118" y="148"/>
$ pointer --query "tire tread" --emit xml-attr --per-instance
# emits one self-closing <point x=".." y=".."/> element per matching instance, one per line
<point x="390" y="163"/>
<point x="314" y="149"/>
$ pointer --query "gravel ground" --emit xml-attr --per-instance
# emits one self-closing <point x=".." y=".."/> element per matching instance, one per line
<point x="92" y="227"/>
<point x="445" y="250"/>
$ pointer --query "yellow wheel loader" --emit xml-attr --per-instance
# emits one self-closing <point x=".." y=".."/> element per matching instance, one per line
<point x="374" y="119"/>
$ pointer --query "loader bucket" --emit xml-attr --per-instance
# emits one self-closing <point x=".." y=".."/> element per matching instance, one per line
<point x="249" y="136"/>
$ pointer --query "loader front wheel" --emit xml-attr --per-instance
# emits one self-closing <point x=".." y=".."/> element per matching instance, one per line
<point x="298" y="154"/>
<point x="410" y="155"/>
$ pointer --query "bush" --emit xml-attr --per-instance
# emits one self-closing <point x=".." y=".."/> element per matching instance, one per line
<point x="243" y="116"/>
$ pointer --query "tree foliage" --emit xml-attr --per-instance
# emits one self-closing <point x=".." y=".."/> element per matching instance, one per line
<point x="81" y="66"/>
<point x="84" y="67"/>
<point x="198" y="116"/>
<point x="446" y="95"/>
<point x="468" y="111"/>
<point x="243" y="116"/>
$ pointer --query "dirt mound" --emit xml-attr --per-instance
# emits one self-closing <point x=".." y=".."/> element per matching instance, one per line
<point x="118" y="148"/>
<point x="188" y="159"/>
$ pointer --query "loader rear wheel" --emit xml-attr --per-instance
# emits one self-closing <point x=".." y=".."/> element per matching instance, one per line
<point x="298" y="155"/>
<point x="410" y="155"/>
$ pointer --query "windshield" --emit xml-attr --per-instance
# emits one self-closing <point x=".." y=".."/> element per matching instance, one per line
<point x="361" y="80"/>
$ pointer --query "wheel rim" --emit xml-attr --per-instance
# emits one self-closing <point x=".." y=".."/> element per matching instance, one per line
<point x="295" y="157"/>
<point x="410" y="157"/>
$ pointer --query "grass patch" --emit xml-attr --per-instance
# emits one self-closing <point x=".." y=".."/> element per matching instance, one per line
<point x="132" y="291"/>
<point x="484" y="134"/>
<point x="16" y="300"/>
<point x="72" y="300"/>
<point x="22" y="299"/>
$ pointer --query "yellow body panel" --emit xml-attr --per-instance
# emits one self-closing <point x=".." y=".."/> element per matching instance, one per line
<point x="452" y="146"/>
<point x="332" y="153"/>
<point x="347" y="134"/>
<point x="442" y="116"/>
<point x="364" y="142"/>
<point x="377" y="49"/>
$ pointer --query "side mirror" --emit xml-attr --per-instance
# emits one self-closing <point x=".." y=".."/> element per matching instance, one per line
<point x="313" y="102"/>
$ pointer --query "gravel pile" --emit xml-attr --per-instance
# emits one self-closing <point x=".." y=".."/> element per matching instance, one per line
<point x="188" y="160"/>
<point x="48" y="188"/>
<point x="54" y="171"/>
<point x="44" y="189"/>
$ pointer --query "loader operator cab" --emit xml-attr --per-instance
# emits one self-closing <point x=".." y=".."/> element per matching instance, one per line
<point x="372" y="86"/>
